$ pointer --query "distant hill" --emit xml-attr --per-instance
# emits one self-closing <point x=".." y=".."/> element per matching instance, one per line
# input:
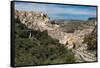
<point x="92" y="18"/>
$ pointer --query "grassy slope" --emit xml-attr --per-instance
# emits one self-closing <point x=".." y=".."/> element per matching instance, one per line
<point x="41" y="49"/>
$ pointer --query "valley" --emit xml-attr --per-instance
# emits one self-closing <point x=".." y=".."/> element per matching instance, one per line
<point x="70" y="33"/>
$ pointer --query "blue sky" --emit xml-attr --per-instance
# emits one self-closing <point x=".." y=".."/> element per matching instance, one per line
<point x="55" y="11"/>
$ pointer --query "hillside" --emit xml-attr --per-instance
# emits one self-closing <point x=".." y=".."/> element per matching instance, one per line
<point x="33" y="47"/>
<point x="64" y="37"/>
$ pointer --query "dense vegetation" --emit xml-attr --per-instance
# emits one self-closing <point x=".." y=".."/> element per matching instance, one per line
<point x="39" y="48"/>
<point x="91" y="40"/>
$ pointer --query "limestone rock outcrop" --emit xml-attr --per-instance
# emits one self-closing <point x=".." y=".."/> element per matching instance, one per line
<point x="33" y="20"/>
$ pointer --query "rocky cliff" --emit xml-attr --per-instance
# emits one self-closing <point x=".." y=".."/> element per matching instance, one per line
<point x="33" y="20"/>
<point x="40" y="21"/>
